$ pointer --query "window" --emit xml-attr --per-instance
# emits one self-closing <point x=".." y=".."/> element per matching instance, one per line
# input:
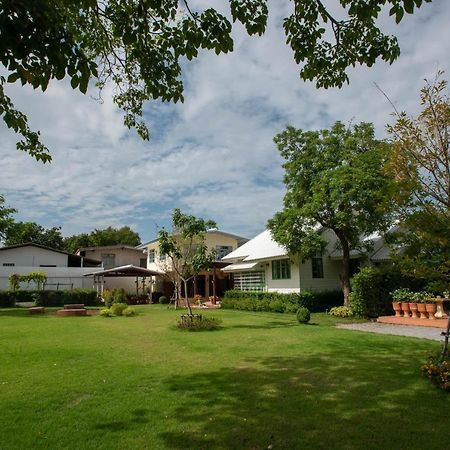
<point x="9" y="264"/>
<point x="355" y="265"/>
<point x="151" y="256"/>
<point x="47" y="265"/>
<point x="143" y="262"/>
<point x="162" y="257"/>
<point x="222" y="250"/>
<point x="317" y="267"/>
<point x="249" y="281"/>
<point x="281" y="269"/>
<point x="108" y="260"/>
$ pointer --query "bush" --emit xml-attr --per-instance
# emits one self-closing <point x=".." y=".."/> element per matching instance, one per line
<point x="87" y="297"/>
<point x="372" y="287"/>
<point x="106" y="312"/>
<point x="341" y="311"/>
<point x="198" y="323"/>
<point x="303" y="315"/>
<point x="118" y="308"/>
<point x="128" y="312"/>
<point x="6" y="299"/>
<point x="49" y="298"/>
<point x="163" y="300"/>
<point x="276" y="302"/>
<point x="119" y="295"/>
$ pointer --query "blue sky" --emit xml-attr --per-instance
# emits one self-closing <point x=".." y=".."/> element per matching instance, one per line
<point x="214" y="155"/>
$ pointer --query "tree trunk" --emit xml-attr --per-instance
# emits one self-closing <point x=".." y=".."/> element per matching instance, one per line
<point x="345" y="277"/>
<point x="188" y="306"/>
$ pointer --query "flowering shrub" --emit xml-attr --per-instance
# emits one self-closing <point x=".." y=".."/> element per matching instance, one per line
<point x="403" y="295"/>
<point x="341" y="311"/>
<point x="438" y="372"/>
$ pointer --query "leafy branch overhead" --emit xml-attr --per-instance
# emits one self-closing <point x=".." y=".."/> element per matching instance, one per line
<point x="138" y="46"/>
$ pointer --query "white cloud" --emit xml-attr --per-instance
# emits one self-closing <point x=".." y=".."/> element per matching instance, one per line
<point x="214" y="155"/>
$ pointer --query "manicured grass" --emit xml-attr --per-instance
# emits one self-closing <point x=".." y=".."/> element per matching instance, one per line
<point x="262" y="379"/>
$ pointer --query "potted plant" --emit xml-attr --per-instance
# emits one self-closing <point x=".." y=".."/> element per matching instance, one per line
<point x="431" y="307"/>
<point x="399" y="297"/>
<point x="421" y="298"/>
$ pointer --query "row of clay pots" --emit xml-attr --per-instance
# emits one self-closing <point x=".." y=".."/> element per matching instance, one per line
<point x="415" y="310"/>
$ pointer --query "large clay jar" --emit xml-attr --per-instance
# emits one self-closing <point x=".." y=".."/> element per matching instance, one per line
<point x="413" y="308"/>
<point x="405" y="309"/>
<point x="397" y="309"/>
<point x="422" y="310"/>
<point x="431" y="310"/>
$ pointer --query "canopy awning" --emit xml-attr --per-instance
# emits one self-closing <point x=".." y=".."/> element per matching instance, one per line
<point x="124" y="271"/>
<point x="239" y="266"/>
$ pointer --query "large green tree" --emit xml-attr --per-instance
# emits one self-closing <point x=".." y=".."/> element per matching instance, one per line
<point x="22" y="232"/>
<point x="336" y="180"/>
<point x="185" y="247"/>
<point x="138" y="45"/>
<point x="102" y="237"/>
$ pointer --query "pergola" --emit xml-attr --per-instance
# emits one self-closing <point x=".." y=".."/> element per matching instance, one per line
<point x="122" y="271"/>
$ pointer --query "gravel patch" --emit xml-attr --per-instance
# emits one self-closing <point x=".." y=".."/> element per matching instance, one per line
<point x="397" y="330"/>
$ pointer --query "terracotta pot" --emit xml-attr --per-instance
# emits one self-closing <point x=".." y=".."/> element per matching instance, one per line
<point x="413" y="308"/>
<point x="405" y="309"/>
<point x="421" y="307"/>
<point x="397" y="309"/>
<point x="431" y="310"/>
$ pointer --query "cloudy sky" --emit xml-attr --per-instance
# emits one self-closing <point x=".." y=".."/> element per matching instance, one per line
<point x="212" y="156"/>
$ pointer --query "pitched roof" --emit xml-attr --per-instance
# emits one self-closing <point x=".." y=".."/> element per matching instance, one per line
<point x="107" y="247"/>
<point x="261" y="246"/>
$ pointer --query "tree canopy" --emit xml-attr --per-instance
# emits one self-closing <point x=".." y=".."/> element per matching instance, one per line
<point x="5" y="218"/>
<point x="22" y="232"/>
<point x="335" y="179"/>
<point x="99" y="238"/>
<point x="420" y="162"/>
<point x="139" y="46"/>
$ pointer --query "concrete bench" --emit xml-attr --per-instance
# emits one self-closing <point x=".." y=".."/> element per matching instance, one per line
<point x="72" y="312"/>
<point x="37" y="310"/>
<point x="74" y="306"/>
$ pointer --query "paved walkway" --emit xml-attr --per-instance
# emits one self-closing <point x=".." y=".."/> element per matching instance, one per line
<point x="398" y="330"/>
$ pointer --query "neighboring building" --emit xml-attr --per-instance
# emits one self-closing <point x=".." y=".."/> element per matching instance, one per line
<point x="63" y="269"/>
<point x="113" y="256"/>
<point x="264" y="265"/>
<point x="212" y="282"/>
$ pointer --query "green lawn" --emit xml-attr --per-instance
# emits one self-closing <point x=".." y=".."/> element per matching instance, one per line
<point x="140" y="383"/>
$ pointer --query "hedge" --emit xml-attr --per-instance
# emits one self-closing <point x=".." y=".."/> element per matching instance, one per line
<point x="371" y="288"/>
<point x="276" y="302"/>
<point x="6" y="300"/>
<point x="87" y="297"/>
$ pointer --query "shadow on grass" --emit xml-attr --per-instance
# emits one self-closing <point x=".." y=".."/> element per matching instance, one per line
<point x="356" y="400"/>
<point x="139" y="418"/>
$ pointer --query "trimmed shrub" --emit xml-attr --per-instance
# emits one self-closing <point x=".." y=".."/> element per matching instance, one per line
<point x="128" y="312"/>
<point x="303" y="315"/>
<point x="49" y="298"/>
<point x="199" y="323"/>
<point x="372" y="287"/>
<point x="341" y="311"/>
<point x="276" y="302"/>
<point x="86" y="297"/>
<point x="118" y="308"/>
<point x="106" y="312"/>
<point x="163" y="300"/>
<point x="6" y="300"/>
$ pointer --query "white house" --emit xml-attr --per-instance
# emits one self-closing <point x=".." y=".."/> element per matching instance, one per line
<point x="63" y="269"/>
<point x="264" y="265"/>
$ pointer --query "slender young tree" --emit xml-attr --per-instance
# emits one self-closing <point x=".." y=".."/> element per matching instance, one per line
<point x="185" y="246"/>
<point x="336" y="180"/>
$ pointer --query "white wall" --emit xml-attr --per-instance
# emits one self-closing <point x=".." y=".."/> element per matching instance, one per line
<point x="32" y="257"/>
<point x="283" y="286"/>
<point x="62" y="275"/>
